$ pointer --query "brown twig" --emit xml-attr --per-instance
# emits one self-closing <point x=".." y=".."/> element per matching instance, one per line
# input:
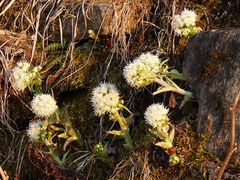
<point x="232" y="147"/>
<point x="7" y="7"/>
<point x="3" y="174"/>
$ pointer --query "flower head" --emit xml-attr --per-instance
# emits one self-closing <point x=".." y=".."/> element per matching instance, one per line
<point x="34" y="130"/>
<point x="20" y="76"/>
<point x="157" y="115"/>
<point x="177" y="22"/>
<point x="24" y="66"/>
<point x="20" y="79"/>
<point x="143" y="70"/>
<point x="184" y="24"/>
<point x="44" y="105"/>
<point x="23" y="75"/>
<point x="188" y="17"/>
<point x="36" y="70"/>
<point x="105" y="99"/>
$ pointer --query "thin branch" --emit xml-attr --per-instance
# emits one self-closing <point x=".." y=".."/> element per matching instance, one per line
<point x="8" y="6"/>
<point x="3" y="174"/>
<point x="232" y="147"/>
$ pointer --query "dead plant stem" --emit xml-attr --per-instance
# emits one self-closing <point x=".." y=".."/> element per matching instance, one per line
<point x="3" y="174"/>
<point x="232" y="147"/>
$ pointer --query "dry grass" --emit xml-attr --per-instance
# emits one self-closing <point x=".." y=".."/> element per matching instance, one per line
<point x="3" y="174"/>
<point x="28" y="25"/>
<point x="137" y="166"/>
<point x="13" y="48"/>
<point x="150" y="162"/>
<point x="34" y="23"/>
<point x="51" y="20"/>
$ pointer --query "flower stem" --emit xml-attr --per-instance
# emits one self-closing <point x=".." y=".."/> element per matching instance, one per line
<point x="124" y="128"/>
<point x="173" y="87"/>
<point x="55" y="157"/>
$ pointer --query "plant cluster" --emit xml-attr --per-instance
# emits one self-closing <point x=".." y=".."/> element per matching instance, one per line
<point x="54" y="131"/>
<point x="52" y="128"/>
<point x="156" y="115"/>
<point x="144" y="70"/>
<point x="24" y="76"/>
<point x="148" y="69"/>
<point x="184" y="24"/>
<point x="106" y="100"/>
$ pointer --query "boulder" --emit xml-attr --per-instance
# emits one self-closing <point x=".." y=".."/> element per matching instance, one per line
<point x="212" y="67"/>
<point x="106" y="17"/>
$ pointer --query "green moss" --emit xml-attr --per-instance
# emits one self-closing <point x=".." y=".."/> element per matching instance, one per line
<point x="193" y="151"/>
<point x="69" y="73"/>
<point x="84" y="66"/>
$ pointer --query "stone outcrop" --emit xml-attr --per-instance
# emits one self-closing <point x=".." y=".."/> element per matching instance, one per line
<point x="212" y="67"/>
<point x="106" y="17"/>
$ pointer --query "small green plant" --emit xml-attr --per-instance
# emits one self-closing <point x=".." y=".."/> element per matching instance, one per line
<point x="92" y="35"/>
<point x="148" y="69"/>
<point x="156" y="115"/>
<point x="106" y="100"/>
<point x="101" y="151"/>
<point x="52" y="129"/>
<point x="56" y="46"/>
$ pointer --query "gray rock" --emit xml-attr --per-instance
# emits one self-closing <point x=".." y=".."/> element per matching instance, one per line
<point x="212" y="67"/>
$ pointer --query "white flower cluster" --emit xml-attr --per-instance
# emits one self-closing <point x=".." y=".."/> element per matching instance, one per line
<point x="184" y="24"/>
<point x="44" y="105"/>
<point x="22" y="75"/>
<point x="157" y="115"/>
<point x="105" y="99"/>
<point x="34" y="130"/>
<point x="143" y="70"/>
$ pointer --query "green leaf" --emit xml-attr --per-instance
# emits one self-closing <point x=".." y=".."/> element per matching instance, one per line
<point x="163" y="134"/>
<point x="171" y="135"/>
<point x="129" y="119"/>
<point x="68" y="141"/>
<point x="56" y="46"/>
<point x="174" y="159"/>
<point x="55" y="128"/>
<point x="115" y="133"/>
<point x="63" y="135"/>
<point x="162" y="89"/>
<point x="64" y="159"/>
<point x="164" y="145"/>
<point x="175" y="74"/>
<point x="92" y="34"/>
<point x="154" y="132"/>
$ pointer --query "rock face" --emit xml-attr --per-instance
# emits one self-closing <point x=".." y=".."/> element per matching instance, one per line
<point x="107" y="17"/>
<point x="212" y="67"/>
